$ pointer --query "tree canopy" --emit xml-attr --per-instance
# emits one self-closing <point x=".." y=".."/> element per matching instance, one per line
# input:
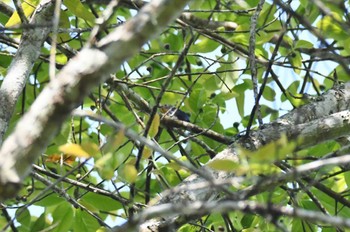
<point x="161" y="115"/>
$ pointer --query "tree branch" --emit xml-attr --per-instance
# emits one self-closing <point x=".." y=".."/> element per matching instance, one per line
<point x="199" y="208"/>
<point x="167" y="121"/>
<point x="5" y="9"/>
<point x="322" y="120"/>
<point x="21" y="66"/>
<point x="65" y="92"/>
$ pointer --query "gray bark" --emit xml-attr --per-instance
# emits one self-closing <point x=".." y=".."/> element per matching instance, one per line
<point x="91" y="66"/>
<point x="21" y="66"/>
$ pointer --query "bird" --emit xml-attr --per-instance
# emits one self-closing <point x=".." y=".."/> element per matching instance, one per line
<point x="175" y="112"/>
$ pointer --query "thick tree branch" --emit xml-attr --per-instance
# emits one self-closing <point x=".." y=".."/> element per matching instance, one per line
<point x="90" y="67"/>
<point x="21" y="66"/>
<point x="199" y="208"/>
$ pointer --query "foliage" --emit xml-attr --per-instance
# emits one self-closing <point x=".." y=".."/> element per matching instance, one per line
<point x="94" y="177"/>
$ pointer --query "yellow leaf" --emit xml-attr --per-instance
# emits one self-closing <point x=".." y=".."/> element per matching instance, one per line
<point x="74" y="150"/>
<point x="146" y="153"/>
<point x="153" y="130"/>
<point x="28" y="7"/>
<point x="61" y="58"/>
<point x="130" y="173"/>
<point x="102" y="229"/>
<point x="223" y="165"/>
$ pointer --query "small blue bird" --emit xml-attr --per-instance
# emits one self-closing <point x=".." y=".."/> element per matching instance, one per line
<point x="173" y="111"/>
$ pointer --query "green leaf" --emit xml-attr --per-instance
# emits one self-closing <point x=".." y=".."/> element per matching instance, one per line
<point x="331" y="29"/>
<point x="269" y="93"/>
<point x="63" y="217"/>
<point x="347" y="178"/>
<point x="63" y="37"/>
<point x="300" y="225"/>
<point x="247" y="220"/>
<point x="3" y="18"/>
<point x="342" y="75"/>
<point x="106" y="166"/>
<point x="346" y="52"/>
<point x="240" y="99"/>
<point x="209" y="82"/>
<point x="297" y="100"/>
<point x="153" y="130"/>
<point x="23" y="217"/>
<point x="79" y="10"/>
<point x="92" y="149"/>
<point x="167" y="173"/>
<point x="325" y="200"/>
<point x="197" y="4"/>
<point x="303" y="44"/>
<point x="266" y="110"/>
<point x="292" y="95"/>
<point x="240" y="104"/>
<point x="296" y="61"/>
<point x="5" y="61"/>
<point x="50" y="200"/>
<point x="174" y="42"/>
<point x="88" y="206"/>
<point x="100" y="202"/>
<point x="241" y="38"/>
<point x="204" y="45"/>
<point x="272" y="151"/>
<point x="113" y="142"/>
<point x="223" y="165"/>
<point x="323" y="149"/>
<point x="40" y="223"/>
<point x="197" y="99"/>
<point x="84" y="222"/>
<point x="263" y="37"/>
